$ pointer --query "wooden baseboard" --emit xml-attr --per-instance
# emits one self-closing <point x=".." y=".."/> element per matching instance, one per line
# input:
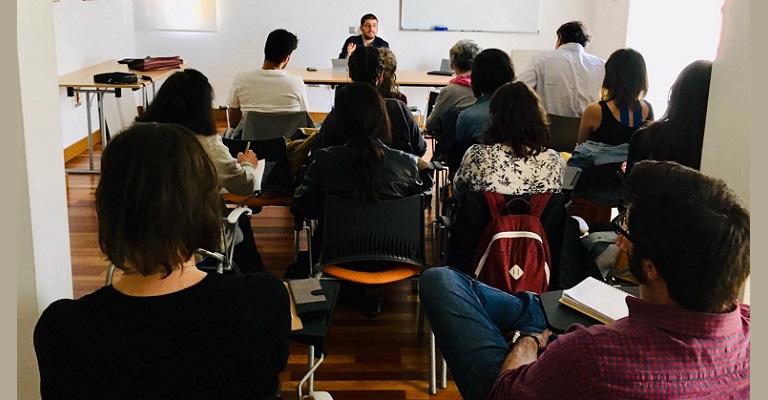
<point x="80" y="146"/>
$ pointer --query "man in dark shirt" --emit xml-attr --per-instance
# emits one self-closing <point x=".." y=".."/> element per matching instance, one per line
<point x="369" y="27"/>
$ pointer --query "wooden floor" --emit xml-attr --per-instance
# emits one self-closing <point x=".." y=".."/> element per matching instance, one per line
<point x="381" y="358"/>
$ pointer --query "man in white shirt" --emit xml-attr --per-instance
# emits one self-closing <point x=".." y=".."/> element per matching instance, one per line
<point x="567" y="79"/>
<point x="270" y="89"/>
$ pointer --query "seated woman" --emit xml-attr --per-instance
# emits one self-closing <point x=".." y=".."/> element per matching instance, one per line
<point x="163" y="329"/>
<point x="514" y="159"/>
<point x="185" y="99"/>
<point x="455" y="97"/>
<point x="366" y="66"/>
<point x="679" y="134"/>
<point x="364" y="168"/>
<point x="388" y="86"/>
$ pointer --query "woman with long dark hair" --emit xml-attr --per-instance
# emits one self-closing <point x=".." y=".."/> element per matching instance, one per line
<point x="679" y="134"/>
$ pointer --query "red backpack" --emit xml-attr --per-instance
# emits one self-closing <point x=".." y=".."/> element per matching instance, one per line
<point x="513" y="254"/>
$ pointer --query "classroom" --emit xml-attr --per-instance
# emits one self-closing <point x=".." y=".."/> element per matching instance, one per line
<point x="67" y="35"/>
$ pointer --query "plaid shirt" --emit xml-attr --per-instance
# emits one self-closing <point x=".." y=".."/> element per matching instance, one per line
<point x="657" y="352"/>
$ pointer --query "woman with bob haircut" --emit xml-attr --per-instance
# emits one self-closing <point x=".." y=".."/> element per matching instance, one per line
<point x="185" y="99"/>
<point x="163" y="329"/>
<point x="514" y="159"/>
<point x="622" y="109"/>
<point x="679" y="134"/>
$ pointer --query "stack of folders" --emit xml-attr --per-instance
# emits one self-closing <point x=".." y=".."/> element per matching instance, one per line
<point x="308" y="296"/>
<point x="597" y="299"/>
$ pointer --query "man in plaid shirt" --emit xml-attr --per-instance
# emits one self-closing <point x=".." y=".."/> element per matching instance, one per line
<point x="687" y="336"/>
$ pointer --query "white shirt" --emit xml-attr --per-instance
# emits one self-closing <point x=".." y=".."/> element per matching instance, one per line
<point x="567" y="79"/>
<point x="268" y="90"/>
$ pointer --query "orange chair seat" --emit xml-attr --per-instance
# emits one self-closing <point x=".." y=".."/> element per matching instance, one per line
<point x="396" y="273"/>
<point x="257" y="201"/>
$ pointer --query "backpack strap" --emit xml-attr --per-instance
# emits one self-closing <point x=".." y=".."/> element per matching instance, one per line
<point x="496" y="203"/>
<point x="538" y="203"/>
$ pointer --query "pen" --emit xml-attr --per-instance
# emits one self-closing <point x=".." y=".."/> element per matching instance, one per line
<point x="247" y="146"/>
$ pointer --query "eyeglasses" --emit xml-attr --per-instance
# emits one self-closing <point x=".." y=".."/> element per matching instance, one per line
<point x="370" y="25"/>
<point x="618" y="225"/>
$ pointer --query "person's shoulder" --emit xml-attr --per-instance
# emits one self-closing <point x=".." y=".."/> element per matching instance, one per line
<point x="381" y="42"/>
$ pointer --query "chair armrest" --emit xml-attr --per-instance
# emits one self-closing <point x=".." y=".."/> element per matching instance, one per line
<point x="236" y="213"/>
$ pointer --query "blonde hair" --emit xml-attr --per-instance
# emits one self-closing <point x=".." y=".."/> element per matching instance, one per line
<point x="388" y="86"/>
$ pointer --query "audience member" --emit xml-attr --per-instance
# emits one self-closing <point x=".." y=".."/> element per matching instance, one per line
<point x="622" y="109"/>
<point x="566" y="79"/>
<point x="364" y="168"/>
<point x="490" y="69"/>
<point x="679" y="134"/>
<point x="163" y="329"/>
<point x="369" y="27"/>
<point x="458" y="95"/>
<point x="365" y="66"/>
<point x="388" y="86"/>
<point x="269" y="89"/>
<point x="514" y="159"/>
<point x="185" y="99"/>
<point x="686" y="337"/>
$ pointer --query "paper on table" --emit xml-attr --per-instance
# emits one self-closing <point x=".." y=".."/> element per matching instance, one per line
<point x="259" y="174"/>
<point x="599" y="300"/>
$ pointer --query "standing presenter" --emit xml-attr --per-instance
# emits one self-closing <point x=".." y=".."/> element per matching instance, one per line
<point x="369" y="27"/>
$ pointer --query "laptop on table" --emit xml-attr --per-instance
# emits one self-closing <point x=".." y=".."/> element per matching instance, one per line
<point x="339" y="64"/>
<point x="445" y="69"/>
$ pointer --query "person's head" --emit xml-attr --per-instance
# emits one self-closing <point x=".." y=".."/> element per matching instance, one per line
<point x="626" y="78"/>
<point x="462" y="54"/>
<point x="693" y="231"/>
<point x="362" y="118"/>
<point x="491" y="69"/>
<point x="157" y="200"/>
<point x="689" y="95"/>
<point x="388" y="84"/>
<point x="518" y="120"/>
<point x="186" y="99"/>
<point x="280" y="44"/>
<point x="369" y="26"/>
<point x="365" y="65"/>
<point x="573" y="32"/>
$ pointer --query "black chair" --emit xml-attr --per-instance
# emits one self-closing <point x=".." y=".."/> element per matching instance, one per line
<point x="279" y="179"/>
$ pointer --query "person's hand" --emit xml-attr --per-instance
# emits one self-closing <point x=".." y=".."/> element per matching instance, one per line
<point x="248" y="157"/>
<point x="351" y="49"/>
<point x="543" y="337"/>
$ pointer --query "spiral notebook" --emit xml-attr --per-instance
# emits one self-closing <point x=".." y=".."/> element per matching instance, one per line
<point x="597" y="299"/>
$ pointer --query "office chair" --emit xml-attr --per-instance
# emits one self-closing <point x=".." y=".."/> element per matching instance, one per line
<point x="260" y="126"/>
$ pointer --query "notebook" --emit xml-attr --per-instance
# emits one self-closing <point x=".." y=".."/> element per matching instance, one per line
<point x="571" y="176"/>
<point x="598" y="300"/>
<point x="339" y="64"/>
<point x="445" y="68"/>
<point x="308" y="295"/>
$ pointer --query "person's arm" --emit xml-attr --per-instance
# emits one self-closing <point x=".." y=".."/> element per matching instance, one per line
<point x="526" y="350"/>
<point x="345" y="48"/>
<point x="590" y="121"/>
<point x="234" y="115"/>
<point x="528" y="75"/>
<point x="309" y="197"/>
<point x="235" y="175"/>
<point x="303" y="101"/>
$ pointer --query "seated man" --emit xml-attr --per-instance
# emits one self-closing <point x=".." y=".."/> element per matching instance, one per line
<point x="369" y="27"/>
<point x="687" y="336"/>
<point x="365" y="66"/>
<point x="271" y="88"/>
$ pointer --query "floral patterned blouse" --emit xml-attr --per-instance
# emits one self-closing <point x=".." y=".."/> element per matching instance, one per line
<point x="495" y="168"/>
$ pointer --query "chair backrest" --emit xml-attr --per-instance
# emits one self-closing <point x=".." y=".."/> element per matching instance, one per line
<point x="390" y="230"/>
<point x="431" y="101"/>
<point x="279" y="178"/>
<point x="563" y="132"/>
<point x="260" y="126"/>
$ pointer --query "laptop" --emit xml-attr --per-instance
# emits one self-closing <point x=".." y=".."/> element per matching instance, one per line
<point x="339" y="64"/>
<point x="445" y="69"/>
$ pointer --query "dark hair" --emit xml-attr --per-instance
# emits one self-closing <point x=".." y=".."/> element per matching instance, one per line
<point x="463" y="53"/>
<point x="626" y="78"/>
<point x="367" y="17"/>
<point x="388" y="86"/>
<point x="365" y="65"/>
<point x="573" y="32"/>
<point x="693" y="229"/>
<point x="157" y="200"/>
<point x="362" y="118"/>
<point x="491" y="69"/>
<point x="280" y="44"/>
<point x="679" y="134"/>
<point x="186" y="99"/>
<point x="518" y="120"/>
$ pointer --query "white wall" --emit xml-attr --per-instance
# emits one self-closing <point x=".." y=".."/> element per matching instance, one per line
<point x="43" y="271"/>
<point x="87" y="33"/>
<point x="322" y="27"/>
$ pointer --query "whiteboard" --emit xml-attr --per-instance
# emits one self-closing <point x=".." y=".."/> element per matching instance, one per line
<point x="471" y="16"/>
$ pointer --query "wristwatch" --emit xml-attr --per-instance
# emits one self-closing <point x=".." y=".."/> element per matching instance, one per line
<point x="519" y="334"/>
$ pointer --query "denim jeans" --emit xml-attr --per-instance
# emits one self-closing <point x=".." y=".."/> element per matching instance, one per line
<point x="469" y="319"/>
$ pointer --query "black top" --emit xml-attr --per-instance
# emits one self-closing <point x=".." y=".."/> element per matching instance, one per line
<point x="358" y="41"/>
<point x="225" y="337"/>
<point x="613" y="132"/>
<point x="406" y="135"/>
